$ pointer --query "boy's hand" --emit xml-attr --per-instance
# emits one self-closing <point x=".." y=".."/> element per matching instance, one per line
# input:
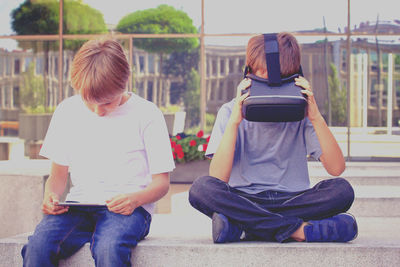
<point x="312" y="107"/>
<point x="237" y="116"/>
<point x="123" y="204"/>
<point x="50" y="205"/>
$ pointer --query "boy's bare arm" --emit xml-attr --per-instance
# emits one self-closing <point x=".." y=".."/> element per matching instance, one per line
<point x="54" y="188"/>
<point x="222" y="160"/>
<point x="332" y="156"/>
<point x="126" y="203"/>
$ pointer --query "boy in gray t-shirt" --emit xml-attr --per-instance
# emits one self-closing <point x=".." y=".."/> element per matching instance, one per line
<point x="258" y="186"/>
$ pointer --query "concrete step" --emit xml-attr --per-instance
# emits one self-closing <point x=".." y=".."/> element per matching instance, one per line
<point x="361" y="173"/>
<point x="183" y="240"/>
<point x="370" y="201"/>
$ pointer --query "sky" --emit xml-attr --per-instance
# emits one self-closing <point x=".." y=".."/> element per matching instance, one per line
<point x="250" y="16"/>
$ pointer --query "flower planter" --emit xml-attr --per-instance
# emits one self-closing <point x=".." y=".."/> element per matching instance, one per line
<point x="33" y="127"/>
<point x="9" y="114"/>
<point x="186" y="173"/>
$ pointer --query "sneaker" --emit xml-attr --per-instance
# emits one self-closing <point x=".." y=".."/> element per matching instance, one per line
<point x="339" y="228"/>
<point x="223" y="231"/>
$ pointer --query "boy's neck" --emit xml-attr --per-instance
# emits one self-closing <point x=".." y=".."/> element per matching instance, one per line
<point x="124" y="98"/>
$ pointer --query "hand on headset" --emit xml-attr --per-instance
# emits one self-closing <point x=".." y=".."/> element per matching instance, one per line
<point x="237" y="116"/>
<point x="312" y="107"/>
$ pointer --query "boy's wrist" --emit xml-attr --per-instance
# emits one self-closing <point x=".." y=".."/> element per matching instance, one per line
<point x="317" y="119"/>
<point x="233" y="123"/>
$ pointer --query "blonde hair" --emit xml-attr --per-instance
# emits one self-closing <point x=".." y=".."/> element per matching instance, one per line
<point x="289" y="54"/>
<point x="100" y="70"/>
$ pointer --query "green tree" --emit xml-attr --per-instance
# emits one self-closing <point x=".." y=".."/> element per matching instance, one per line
<point x="33" y="94"/>
<point x="191" y="99"/>
<point x="180" y="64"/>
<point x="42" y="17"/>
<point x="161" y="20"/>
<point x="338" y="98"/>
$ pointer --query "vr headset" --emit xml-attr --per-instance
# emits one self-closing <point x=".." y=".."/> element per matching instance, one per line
<point x="275" y="99"/>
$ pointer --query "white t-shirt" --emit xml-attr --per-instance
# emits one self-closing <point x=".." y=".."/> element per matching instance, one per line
<point x="109" y="155"/>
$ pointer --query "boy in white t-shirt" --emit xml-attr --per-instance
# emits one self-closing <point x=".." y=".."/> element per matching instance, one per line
<point x="116" y="147"/>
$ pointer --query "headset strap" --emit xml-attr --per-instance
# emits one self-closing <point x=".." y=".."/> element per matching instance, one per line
<point x="271" y="49"/>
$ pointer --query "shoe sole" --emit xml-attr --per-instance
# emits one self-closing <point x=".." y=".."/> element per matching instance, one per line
<point x="355" y="226"/>
<point x="218" y="226"/>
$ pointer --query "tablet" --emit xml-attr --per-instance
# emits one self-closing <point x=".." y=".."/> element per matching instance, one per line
<point x="76" y="203"/>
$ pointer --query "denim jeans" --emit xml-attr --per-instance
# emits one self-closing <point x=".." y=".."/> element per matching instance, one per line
<point x="111" y="236"/>
<point x="271" y="215"/>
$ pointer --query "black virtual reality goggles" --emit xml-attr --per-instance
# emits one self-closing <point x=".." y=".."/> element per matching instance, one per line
<point x="275" y="99"/>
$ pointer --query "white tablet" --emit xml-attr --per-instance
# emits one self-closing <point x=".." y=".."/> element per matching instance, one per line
<point x="76" y="203"/>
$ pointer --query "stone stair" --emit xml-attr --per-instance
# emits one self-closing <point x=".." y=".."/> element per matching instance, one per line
<point x="183" y="237"/>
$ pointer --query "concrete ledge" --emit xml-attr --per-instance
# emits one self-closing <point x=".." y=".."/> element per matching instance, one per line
<point x="361" y="173"/>
<point x="177" y="240"/>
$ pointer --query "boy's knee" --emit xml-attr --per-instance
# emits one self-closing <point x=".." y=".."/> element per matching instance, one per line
<point x="345" y="191"/>
<point x="201" y="186"/>
<point x="110" y="251"/>
<point x="197" y="188"/>
<point x="38" y="249"/>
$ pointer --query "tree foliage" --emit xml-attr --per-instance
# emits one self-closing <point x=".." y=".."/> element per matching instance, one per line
<point x="192" y="98"/>
<point x="161" y="20"/>
<point x="180" y="64"/>
<point x="42" y="17"/>
<point x="338" y="98"/>
<point x="33" y="93"/>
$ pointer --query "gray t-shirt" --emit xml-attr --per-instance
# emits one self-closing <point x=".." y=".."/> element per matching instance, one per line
<point x="268" y="155"/>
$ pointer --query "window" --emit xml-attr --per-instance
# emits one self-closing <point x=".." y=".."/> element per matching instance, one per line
<point x="213" y="89"/>
<point x="150" y="91"/>
<point x="231" y="66"/>
<point x="141" y="64"/>
<point x="28" y="61"/>
<point x="6" y="96"/>
<point x="8" y="66"/>
<point x="397" y="92"/>
<point x="16" y="97"/>
<point x="151" y="66"/>
<point x="17" y="67"/>
<point x="220" y="91"/>
<point x="214" y="68"/>
<point x="222" y="67"/>
<point x="39" y="65"/>
<point x="241" y="64"/>
<point x="140" y="88"/>
<point x="373" y="92"/>
<point x="55" y="68"/>
<point x="231" y="90"/>
<point x="344" y="59"/>
<point x="1" y="66"/>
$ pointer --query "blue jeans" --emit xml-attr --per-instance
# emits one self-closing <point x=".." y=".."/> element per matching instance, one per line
<point x="111" y="236"/>
<point x="271" y="215"/>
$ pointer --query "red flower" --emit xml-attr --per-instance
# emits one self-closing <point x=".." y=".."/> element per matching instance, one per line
<point x="208" y="138"/>
<point x="192" y="142"/>
<point x="205" y="147"/>
<point x="178" y="137"/>
<point x="174" y="155"/>
<point x="180" y="154"/>
<point x="178" y="148"/>
<point x="200" y="134"/>
<point x="173" y="144"/>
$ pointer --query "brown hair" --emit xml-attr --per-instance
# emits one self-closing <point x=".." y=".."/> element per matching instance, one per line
<point x="100" y="70"/>
<point x="289" y="54"/>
